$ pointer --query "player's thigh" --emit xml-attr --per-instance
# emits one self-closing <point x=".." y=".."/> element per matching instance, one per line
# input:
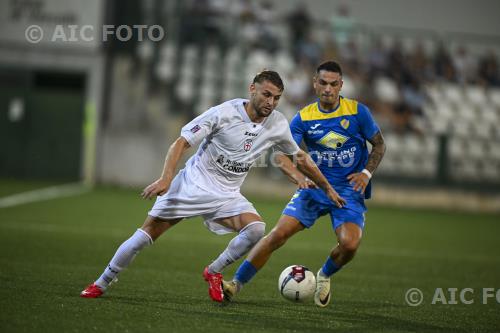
<point x="240" y="221"/>
<point x="286" y="227"/>
<point x="155" y="226"/>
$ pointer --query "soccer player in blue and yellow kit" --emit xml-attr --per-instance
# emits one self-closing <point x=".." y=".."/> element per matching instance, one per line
<point x="335" y="130"/>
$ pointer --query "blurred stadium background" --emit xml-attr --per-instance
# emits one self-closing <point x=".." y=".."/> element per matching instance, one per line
<point x="78" y="110"/>
<point x="105" y="112"/>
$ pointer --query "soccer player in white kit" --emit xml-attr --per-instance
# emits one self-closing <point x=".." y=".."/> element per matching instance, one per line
<point x="231" y="137"/>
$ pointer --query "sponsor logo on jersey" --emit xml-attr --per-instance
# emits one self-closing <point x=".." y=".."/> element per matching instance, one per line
<point x="248" y="144"/>
<point x="344" y="157"/>
<point x="229" y="165"/>
<point x="333" y="140"/>
<point x="251" y="134"/>
<point x="313" y="130"/>
<point x="195" y="129"/>
<point x="345" y="123"/>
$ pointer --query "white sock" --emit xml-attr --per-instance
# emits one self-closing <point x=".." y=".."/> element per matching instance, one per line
<point x="238" y="246"/>
<point x="124" y="256"/>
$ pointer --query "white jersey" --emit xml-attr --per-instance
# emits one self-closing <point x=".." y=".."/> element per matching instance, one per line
<point x="231" y="143"/>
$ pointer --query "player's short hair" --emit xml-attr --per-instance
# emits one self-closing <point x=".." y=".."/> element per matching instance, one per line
<point x="270" y="76"/>
<point x="329" y="66"/>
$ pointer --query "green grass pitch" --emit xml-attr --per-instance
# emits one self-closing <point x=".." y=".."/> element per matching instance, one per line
<point x="51" y="250"/>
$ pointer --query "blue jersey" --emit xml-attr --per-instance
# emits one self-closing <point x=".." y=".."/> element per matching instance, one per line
<point x="336" y="139"/>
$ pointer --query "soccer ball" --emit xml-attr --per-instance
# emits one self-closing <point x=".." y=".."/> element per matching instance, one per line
<point x="297" y="283"/>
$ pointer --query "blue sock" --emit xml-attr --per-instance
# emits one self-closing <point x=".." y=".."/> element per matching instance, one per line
<point x="245" y="272"/>
<point x="330" y="267"/>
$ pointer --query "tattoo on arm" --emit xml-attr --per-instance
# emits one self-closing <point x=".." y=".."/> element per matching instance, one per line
<point x="378" y="151"/>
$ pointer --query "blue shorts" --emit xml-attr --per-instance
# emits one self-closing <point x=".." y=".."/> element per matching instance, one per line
<point x="307" y="205"/>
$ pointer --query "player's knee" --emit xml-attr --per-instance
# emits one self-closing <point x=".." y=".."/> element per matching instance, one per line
<point x="255" y="231"/>
<point x="350" y="245"/>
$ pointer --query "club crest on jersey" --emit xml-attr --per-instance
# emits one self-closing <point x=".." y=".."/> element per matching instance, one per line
<point x="333" y="140"/>
<point x="248" y="144"/>
<point x="345" y="123"/>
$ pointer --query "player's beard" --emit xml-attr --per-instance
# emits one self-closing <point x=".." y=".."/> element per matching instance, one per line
<point x="261" y="111"/>
<point x="329" y="102"/>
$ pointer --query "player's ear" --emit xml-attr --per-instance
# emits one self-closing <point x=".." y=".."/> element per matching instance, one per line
<point x="252" y="89"/>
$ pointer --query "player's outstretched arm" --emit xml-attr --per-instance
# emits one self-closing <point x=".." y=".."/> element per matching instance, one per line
<point x="291" y="171"/>
<point x="307" y="166"/>
<point x="359" y="180"/>
<point x="161" y="185"/>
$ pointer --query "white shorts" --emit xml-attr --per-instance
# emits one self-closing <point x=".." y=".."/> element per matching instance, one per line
<point x="186" y="199"/>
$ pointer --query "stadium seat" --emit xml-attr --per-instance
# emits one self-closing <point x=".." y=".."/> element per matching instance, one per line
<point x="387" y="167"/>
<point x="207" y="90"/>
<point x="386" y="90"/>
<point x="428" y="166"/>
<point x="204" y="104"/>
<point x="392" y="142"/>
<point x="165" y="68"/>
<point x="460" y="128"/>
<point x="456" y="147"/>
<point x="445" y="108"/>
<point x="494" y="96"/>
<point x="466" y="112"/>
<point x="453" y="93"/>
<point x="167" y="51"/>
<point x="210" y="73"/>
<point x="165" y="71"/>
<point x="284" y="62"/>
<point x="212" y="55"/>
<point x="491" y="171"/>
<point x="349" y="87"/>
<point x="410" y="166"/>
<point x="190" y="53"/>
<point x="412" y="144"/>
<point x="187" y="70"/>
<point x="185" y="90"/>
<point x="435" y="94"/>
<point x="476" y="95"/>
<point x="477" y="150"/>
<point x="259" y="59"/>
<point x="431" y="143"/>
<point x="481" y="129"/>
<point x="494" y="150"/>
<point x="490" y="114"/>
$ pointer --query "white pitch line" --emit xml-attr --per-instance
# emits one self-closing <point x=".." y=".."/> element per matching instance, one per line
<point x="43" y="194"/>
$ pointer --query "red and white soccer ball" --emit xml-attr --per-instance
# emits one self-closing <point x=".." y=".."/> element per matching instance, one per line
<point x="297" y="283"/>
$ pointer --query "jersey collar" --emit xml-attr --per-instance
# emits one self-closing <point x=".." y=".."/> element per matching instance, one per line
<point x="329" y="111"/>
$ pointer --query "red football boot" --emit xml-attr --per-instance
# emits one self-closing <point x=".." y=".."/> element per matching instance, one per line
<point x="214" y="285"/>
<point x="92" y="291"/>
